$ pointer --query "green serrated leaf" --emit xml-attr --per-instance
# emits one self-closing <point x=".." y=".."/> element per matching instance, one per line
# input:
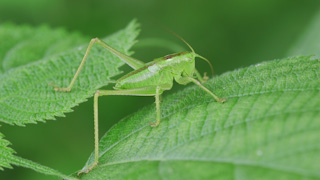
<point x="5" y="153"/>
<point x="25" y="96"/>
<point x="269" y="128"/>
<point x="21" y="45"/>
<point x="18" y="161"/>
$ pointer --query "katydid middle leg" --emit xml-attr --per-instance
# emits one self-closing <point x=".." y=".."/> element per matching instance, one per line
<point x="157" y="97"/>
<point x="183" y="80"/>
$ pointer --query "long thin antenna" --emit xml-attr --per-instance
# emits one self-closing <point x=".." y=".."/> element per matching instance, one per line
<point x="181" y="38"/>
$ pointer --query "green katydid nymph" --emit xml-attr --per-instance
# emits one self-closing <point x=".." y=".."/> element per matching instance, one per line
<point x="147" y="79"/>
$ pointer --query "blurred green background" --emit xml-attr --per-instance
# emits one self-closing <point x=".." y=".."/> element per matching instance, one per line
<point x="232" y="34"/>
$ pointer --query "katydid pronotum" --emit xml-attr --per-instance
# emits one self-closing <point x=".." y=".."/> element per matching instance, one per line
<point x="149" y="79"/>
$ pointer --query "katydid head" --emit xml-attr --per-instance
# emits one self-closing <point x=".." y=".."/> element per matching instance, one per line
<point x="195" y="54"/>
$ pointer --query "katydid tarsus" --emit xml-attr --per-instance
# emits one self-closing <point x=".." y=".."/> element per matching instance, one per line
<point x="149" y="79"/>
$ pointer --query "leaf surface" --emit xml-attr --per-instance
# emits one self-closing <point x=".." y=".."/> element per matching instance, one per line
<point x="25" y="96"/>
<point x="33" y="57"/>
<point x="22" y="44"/>
<point x="18" y="161"/>
<point x="269" y="128"/>
<point x="5" y="153"/>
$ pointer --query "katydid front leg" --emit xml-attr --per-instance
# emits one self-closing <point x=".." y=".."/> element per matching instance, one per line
<point x="190" y="79"/>
<point x="132" y="62"/>
<point x="200" y="78"/>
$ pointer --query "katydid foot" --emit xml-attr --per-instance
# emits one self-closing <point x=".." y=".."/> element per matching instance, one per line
<point x="154" y="124"/>
<point x="87" y="169"/>
<point x="60" y="89"/>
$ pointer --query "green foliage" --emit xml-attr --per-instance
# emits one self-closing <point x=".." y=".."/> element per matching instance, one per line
<point x="7" y="158"/>
<point x="25" y="96"/>
<point x="24" y="44"/>
<point x="268" y="128"/>
<point x="5" y="152"/>
<point x="18" y="161"/>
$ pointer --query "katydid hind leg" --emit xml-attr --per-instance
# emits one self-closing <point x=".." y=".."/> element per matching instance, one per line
<point x="134" y="63"/>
